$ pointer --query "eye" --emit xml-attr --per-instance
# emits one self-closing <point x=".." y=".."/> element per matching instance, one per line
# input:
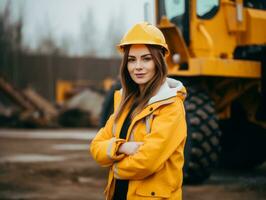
<point x="130" y="60"/>
<point x="147" y="58"/>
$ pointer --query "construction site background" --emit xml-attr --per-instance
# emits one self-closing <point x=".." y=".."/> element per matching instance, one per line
<point x="50" y="105"/>
<point x="41" y="72"/>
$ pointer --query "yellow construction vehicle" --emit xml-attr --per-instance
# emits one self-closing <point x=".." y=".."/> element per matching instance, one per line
<point x="218" y="50"/>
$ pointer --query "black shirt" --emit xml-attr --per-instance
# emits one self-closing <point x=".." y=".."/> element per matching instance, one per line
<point x="121" y="186"/>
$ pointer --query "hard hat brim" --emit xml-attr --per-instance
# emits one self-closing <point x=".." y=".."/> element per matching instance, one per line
<point x="120" y="47"/>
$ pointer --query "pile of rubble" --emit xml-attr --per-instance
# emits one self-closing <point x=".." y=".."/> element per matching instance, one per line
<point x="27" y="109"/>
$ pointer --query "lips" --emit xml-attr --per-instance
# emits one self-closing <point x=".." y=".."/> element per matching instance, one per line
<point x="140" y="75"/>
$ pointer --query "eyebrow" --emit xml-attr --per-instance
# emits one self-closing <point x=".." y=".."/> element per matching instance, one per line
<point x="140" y="56"/>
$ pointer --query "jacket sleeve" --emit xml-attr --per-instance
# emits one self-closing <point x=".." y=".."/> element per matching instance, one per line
<point x="104" y="146"/>
<point x="168" y="131"/>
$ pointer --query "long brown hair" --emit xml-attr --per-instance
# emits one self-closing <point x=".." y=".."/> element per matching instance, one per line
<point x="131" y="89"/>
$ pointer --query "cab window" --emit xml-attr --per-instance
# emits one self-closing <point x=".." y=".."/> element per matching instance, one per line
<point x="174" y="8"/>
<point x="175" y="12"/>
<point x="207" y="9"/>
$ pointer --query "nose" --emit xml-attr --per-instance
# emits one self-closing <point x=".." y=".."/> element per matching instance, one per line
<point x="139" y="65"/>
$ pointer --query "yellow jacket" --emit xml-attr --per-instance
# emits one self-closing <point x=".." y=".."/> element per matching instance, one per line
<point x="155" y="170"/>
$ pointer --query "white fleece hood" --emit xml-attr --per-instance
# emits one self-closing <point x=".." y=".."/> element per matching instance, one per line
<point x="169" y="88"/>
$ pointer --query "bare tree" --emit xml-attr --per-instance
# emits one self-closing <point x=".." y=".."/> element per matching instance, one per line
<point x="114" y="33"/>
<point x="65" y="44"/>
<point x="88" y="33"/>
<point x="47" y="42"/>
<point x="10" y="41"/>
<point x="10" y="32"/>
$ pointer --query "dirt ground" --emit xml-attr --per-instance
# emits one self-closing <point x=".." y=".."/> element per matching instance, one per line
<point x="55" y="164"/>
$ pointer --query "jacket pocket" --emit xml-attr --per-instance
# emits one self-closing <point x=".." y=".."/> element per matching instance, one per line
<point x="155" y="190"/>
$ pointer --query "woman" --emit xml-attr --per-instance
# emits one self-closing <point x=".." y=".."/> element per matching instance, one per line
<point x="143" y="141"/>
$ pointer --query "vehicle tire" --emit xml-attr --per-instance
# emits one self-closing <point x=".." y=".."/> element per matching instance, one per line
<point x="203" y="140"/>
<point x="243" y="142"/>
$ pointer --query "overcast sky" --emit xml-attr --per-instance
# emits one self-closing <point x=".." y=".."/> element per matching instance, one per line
<point x="63" y="18"/>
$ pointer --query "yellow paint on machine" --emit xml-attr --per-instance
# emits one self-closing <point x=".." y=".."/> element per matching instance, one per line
<point x="218" y="67"/>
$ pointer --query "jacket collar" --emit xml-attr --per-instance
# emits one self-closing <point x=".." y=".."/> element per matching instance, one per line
<point x="167" y="90"/>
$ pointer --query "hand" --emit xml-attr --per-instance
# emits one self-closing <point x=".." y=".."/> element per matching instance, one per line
<point x="129" y="148"/>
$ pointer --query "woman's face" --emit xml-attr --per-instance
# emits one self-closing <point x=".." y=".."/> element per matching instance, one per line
<point x="140" y="64"/>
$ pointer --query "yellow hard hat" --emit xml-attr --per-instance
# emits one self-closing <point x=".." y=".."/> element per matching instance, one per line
<point x="143" y="33"/>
